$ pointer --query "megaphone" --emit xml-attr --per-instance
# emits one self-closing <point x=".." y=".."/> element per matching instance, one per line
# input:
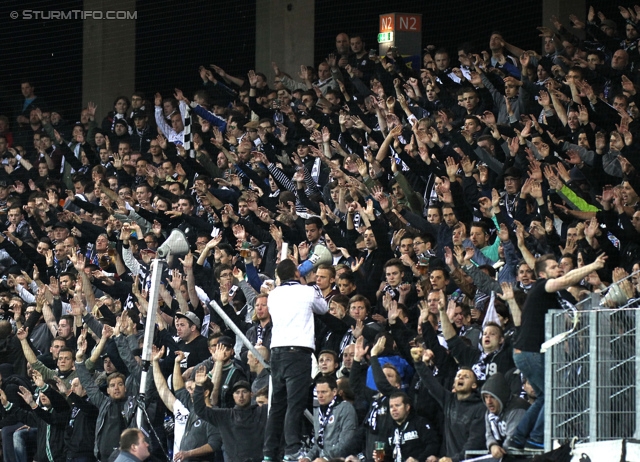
<point x="320" y="256"/>
<point x="176" y="245"/>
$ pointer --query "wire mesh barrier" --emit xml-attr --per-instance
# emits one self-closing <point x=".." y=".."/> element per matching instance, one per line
<point x="591" y="376"/>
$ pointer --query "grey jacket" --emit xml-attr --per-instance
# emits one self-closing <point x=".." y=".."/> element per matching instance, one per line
<point x="338" y="434"/>
<point x="104" y="403"/>
<point x="499" y="429"/>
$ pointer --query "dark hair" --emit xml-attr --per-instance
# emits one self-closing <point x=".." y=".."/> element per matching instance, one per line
<point x="344" y="386"/>
<point x="69" y="350"/>
<point x="328" y="379"/>
<point x="336" y="359"/>
<point x="128" y="438"/>
<point x="286" y="196"/>
<point x="71" y="276"/>
<point x="226" y="248"/>
<point x="494" y="324"/>
<point x="220" y="268"/>
<point x="466" y="47"/>
<point x="286" y="270"/>
<point x="348" y="276"/>
<point x="341" y="300"/>
<point x="264" y="391"/>
<point x="400" y="394"/>
<point x="314" y="221"/>
<point x="441" y="51"/>
<point x="115" y="101"/>
<point x="394" y="262"/>
<point x="187" y="198"/>
<point x="491" y="271"/>
<point x="541" y="263"/>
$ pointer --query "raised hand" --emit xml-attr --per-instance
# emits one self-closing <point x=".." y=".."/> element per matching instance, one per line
<point x="201" y="375"/>
<point x="360" y="350"/>
<point x="507" y="291"/>
<point x="379" y="346"/>
<point x="157" y="354"/>
<point x="26" y="395"/>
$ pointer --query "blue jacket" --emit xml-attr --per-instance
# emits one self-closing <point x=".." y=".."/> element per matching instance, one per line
<point x="404" y="368"/>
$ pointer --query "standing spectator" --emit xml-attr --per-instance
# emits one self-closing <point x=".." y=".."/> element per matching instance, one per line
<point x="463" y="428"/>
<point x="526" y="350"/>
<point x="245" y="422"/>
<point x="291" y="306"/>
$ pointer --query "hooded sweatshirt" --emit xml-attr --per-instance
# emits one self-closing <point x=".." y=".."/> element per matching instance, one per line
<point x="501" y="427"/>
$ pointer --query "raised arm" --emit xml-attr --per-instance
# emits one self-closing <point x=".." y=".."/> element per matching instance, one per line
<point x="216" y="375"/>
<point x="26" y="349"/>
<point x="574" y="276"/>
<point x="178" y="380"/>
<point x="50" y="319"/>
<point x="187" y="264"/>
<point x="514" y="308"/>
<point x="447" y="327"/>
<point x="175" y="283"/>
<point x="161" y="384"/>
<point x="526" y="254"/>
<point x="107" y="332"/>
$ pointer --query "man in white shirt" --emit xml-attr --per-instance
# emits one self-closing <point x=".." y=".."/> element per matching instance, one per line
<point x="291" y="306"/>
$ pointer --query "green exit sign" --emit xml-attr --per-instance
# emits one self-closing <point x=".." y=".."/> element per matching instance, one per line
<point x="384" y="37"/>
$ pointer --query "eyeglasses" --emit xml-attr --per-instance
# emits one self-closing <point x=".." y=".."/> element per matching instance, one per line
<point x="232" y="127"/>
<point x="418" y="242"/>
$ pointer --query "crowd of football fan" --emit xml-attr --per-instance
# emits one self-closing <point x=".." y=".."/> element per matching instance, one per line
<point x="441" y="212"/>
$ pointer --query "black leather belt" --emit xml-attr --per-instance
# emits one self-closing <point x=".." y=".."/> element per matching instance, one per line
<point x="296" y="349"/>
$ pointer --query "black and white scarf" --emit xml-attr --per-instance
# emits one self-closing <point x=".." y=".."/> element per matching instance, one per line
<point x="397" y="442"/>
<point x="323" y="419"/>
<point x="188" y="145"/>
<point x="378" y="407"/>
<point x="259" y="334"/>
<point x="480" y="367"/>
<point x="494" y="421"/>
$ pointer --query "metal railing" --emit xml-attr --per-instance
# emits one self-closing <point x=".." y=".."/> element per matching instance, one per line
<point x="591" y="375"/>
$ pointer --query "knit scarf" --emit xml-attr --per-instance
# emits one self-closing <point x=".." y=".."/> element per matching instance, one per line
<point x="494" y="421"/>
<point x="188" y="146"/>
<point x="377" y="408"/>
<point x="397" y="442"/>
<point x="259" y="334"/>
<point x="480" y="367"/>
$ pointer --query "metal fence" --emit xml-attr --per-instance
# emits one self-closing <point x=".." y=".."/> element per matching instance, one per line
<point x="591" y="375"/>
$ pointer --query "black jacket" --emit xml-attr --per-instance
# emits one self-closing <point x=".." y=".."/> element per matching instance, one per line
<point x="236" y="425"/>
<point x="463" y="428"/>
<point x="80" y="433"/>
<point x="417" y="439"/>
